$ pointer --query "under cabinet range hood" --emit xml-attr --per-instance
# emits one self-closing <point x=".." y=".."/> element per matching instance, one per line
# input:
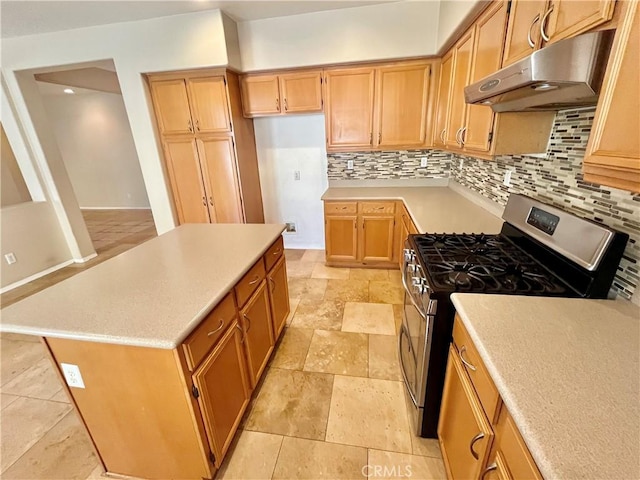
<point x="563" y="75"/>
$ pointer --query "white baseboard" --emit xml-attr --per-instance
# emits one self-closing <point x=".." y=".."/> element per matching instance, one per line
<point x="85" y="259"/>
<point x="35" y="276"/>
<point x="115" y="208"/>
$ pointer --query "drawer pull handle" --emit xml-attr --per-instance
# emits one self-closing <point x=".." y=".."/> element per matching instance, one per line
<point x="529" y="39"/>
<point x="379" y="208"/>
<point x="543" y="24"/>
<point x="273" y="284"/>
<point x="248" y="321"/>
<point x="479" y="436"/>
<point x="241" y="331"/>
<point x="213" y="332"/>
<point x="469" y="365"/>
<point x="255" y="280"/>
<point x="277" y="252"/>
<point x="344" y="208"/>
<point x="490" y="468"/>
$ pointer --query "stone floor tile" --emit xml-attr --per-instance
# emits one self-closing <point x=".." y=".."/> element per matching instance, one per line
<point x="320" y="270"/>
<point x="338" y="352"/>
<point x="347" y="290"/>
<point x="292" y="350"/>
<point x="391" y="466"/>
<point x="17" y="357"/>
<point x="308" y="459"/>
<point x="398" y="312"/>
<point x="252" y="456"/>
<point x="293" y="254"/>
<point x="39" y="381"/>
<point x="383" y="358"/>
<point x="307" y="288"/>
<point x="299" y="269"/>
<point x="376" y="318"/>
<point x="293" y="306"/>
<point x="313" y="256"/>
<point x="395" y="276"/>
<point x="369" y="413"/>
<point x="324" y="315"/>
<point x="386" y="292"/>
<point x="427" y="447"/>
<point x="292" y="403"/>
<point x="369" y="274"/>
<point x="6" y="400"/>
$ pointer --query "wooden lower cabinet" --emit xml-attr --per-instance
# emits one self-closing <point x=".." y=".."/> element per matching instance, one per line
<point x="222" y="408"/>
<point x="256" y="323"/>
<point x="477" y="435"/>
<point x="376" y="241"/>
<point x="341" y="238"/>
<point x="464" y="432"/>
<point x="278" y="296"/>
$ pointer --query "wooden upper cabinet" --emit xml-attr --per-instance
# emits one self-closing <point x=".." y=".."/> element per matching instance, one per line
<point x="260" y="95"/>
<point x="209" y="105"/>
<point x="275" y="94"/>
<point x="172" y="106"/>
<point x="301" y="92"/>
<point x="613" y="152"/>
<point x="222" y="408"/>
<point x="567" y="18"/>
<point x="523" y="31"/>
<point x="457" y="107"/>
<point x="444" y="93"/>
<point x="402" y="100"/>
<point x="349" y="96"/>
<point x="185" y="176"/>
<point x="220" y="179"/>
<point x="487" y="58"/>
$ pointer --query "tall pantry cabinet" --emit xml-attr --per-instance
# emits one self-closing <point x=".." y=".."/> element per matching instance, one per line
<point x="209" y="147"/>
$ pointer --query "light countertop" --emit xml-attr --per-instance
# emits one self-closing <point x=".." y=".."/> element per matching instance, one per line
<point x="568" y="371"/>
<point x="153" y="295"/>
<point x="433" y="209"/>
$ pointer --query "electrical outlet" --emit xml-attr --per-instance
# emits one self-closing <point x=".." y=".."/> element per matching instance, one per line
<point x="72" y="375"/>
<point x="349" y="164"/>
<point x="10" y="258"/>
<point x="507" y="178"/>
<point x="461" y="164"/>
<point x="296" y="175"/>
<point x="291" y="227"/>
<point x="423" y="162"/>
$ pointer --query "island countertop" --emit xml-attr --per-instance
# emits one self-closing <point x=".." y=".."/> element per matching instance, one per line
<point x="568" y="371"/>
<point x="153" y="295"/>
<point x="432" y="209"/>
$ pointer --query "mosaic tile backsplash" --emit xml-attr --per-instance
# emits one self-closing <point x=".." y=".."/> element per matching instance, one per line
<point x="554" y="178"/>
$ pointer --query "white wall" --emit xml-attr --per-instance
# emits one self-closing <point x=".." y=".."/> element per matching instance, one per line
<point x="93" y="134"/>
<point x="452" y="13"/>
<point x="284" y="145"/>
<point x="13" y="188"/>
<point x="402" y="29"/>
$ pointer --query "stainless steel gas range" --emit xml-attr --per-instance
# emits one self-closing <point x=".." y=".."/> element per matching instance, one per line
<point x="541" y="250"/>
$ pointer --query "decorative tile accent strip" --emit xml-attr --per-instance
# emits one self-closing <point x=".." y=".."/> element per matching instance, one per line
<point x="388" y="165"/>
<point x="556" y="178"/>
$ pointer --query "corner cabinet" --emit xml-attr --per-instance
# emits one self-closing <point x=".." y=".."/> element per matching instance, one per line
<point x="613" y="152"/>
<point x="212" y="166"/>
<point x="361" y="233"/>
<point x="172" y="413"/>
<point x="378" y="107"/>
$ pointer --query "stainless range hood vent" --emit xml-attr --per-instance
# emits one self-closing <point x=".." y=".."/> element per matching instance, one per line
<point x="563" y="75"/>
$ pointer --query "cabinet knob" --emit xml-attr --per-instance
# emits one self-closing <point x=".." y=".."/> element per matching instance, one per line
<point x="277" y="103"/>
<point x="529" y="39"/>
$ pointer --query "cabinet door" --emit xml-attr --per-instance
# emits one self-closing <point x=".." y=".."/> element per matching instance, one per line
<point x="278" y="296"/>
<point x="463" y="430"/>
<point x="402" y="99"/>
<point x="259" y="341"/>
<point x="376" y="240"/>
<point x="218" y="161"/>
<point x="185" y="176"/>
<point x="223" y="389"/>
<point x="341" y="237"/>
<point x="301" y="92"/>
<point x="260" y="95"/>
<point x="349" y="107"/>
<point x="444" y="93"/>
<point x="457" y="105"/>
<point x="523" y="32"/>
<point x="210" y="105"/>
<point x="487" y="58"/>
<point x="172" y="106"/>
<point x="404" y="233"/>
<point x="613" y="152"/>
<point x="568" y="18"/>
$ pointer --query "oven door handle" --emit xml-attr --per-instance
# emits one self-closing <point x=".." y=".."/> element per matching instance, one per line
<point x="415" y="304"/>
<point x="404" y="375"/>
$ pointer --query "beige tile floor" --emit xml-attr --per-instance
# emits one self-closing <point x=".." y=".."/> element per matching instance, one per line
<point x="331" y="404"/>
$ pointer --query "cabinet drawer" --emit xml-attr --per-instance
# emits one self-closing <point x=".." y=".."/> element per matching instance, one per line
<point x="249" y="283"/>
<point x="200" y="342"/>
<point x="340" y="208"/>
<point x="476" y="370"/>
<point x="377" y="207"/>
<point x="274" y="253"/>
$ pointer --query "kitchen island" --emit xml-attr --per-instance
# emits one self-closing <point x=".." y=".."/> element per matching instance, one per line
<point x="568" y="372"/>
<point x="161" y="347"/>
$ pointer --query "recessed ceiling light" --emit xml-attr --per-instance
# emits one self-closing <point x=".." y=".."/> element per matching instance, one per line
<point x="69" y="91"/>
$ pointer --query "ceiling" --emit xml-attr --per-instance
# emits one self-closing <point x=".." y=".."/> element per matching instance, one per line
<point x="18" y="18"/>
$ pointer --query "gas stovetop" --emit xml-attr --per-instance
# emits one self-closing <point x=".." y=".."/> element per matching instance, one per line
<point x="483" y="263"/>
